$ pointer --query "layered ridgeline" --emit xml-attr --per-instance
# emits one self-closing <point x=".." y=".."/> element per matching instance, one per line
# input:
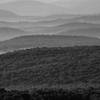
<point x="41" y="67"/>
<point x="32" y="8"/>
<point x="56" y="25"/>
<point x="13" y="25"/>
<point x="37" y="7"/>
<point x="33" y="41"/>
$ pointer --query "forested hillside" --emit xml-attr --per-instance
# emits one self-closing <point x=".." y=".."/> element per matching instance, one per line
<point x="50" y="67"/>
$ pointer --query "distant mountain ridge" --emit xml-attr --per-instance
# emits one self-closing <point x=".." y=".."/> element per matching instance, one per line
<point x="7" y="14"/>
<point x="8" y="32"/>
<point x="33" y="41"/>
<point x="27" y="7"/>
<point x="32" y="8"/>
<point x="50" y="26"/>
<point x="12" y="25"/>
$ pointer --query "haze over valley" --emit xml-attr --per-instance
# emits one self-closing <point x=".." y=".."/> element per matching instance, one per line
<point x="33" y="17"/>
<point x="49" y="44"/>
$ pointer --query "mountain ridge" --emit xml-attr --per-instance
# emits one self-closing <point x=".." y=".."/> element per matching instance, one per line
<point x="33" y="41"/>
<point x="7" y="14"/>
<point x="32" y="7"/>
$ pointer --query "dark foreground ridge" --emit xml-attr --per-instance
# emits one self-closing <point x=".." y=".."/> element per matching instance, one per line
<point x="68" y="73"/>
<point x="51" y="94"/>
<point x="50" y="67"/>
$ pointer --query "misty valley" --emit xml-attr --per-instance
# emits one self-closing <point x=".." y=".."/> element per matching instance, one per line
<point x="49" y="50"/>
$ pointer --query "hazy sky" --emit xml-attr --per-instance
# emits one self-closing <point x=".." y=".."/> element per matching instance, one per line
<point x="63" y="2"/>
<point x="4" y="1"/>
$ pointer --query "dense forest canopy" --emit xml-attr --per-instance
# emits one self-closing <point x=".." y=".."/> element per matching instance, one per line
<point x="50" y="66"/>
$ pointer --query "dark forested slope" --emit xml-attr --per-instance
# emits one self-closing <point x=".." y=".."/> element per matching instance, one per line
<point x="50" y="66"/>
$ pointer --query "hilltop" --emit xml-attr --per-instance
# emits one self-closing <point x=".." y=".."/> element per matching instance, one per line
<point x="33" y="41"/>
